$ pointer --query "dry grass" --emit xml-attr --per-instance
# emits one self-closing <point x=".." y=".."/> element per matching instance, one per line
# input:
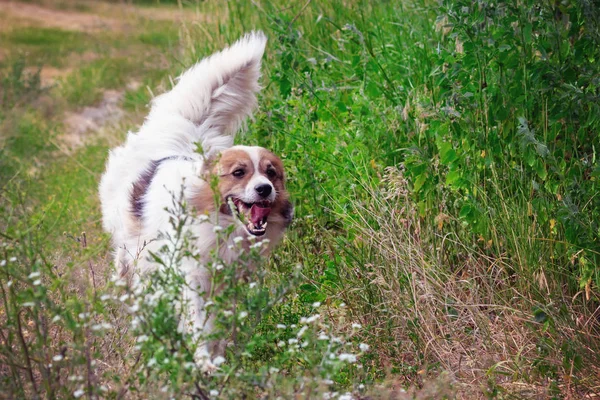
<point x="466" y="318"/>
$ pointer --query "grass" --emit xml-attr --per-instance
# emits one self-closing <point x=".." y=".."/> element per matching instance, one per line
<point x="442" y="161"/>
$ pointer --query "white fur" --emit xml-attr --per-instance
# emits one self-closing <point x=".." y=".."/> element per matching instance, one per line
<point x="207" y="106"/>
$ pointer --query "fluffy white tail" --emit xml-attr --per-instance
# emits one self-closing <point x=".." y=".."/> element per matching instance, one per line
<point x="217" y="94"/>
<point x="207" y="106"/>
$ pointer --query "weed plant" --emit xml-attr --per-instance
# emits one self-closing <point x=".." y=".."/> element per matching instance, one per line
<point x="442" y="158"/>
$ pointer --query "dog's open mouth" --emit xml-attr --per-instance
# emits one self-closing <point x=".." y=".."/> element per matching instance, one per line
<point x="253" y="215"/>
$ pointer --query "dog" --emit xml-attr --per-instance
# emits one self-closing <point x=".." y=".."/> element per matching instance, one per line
<point x="205" y="109"/>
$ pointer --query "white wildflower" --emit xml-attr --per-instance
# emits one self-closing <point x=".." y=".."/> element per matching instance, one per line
<point x="78" y="393"/>
<point x="281" y="326"/>
<point x="323" y="336"/>
<point x="281" y="343"/>
<point x="203" y="218"/>
<point x="342" y="305"/>
<point x="142" y="338"/>
<point x="316" y="304"/>
<point x="29" y="304"/>
<point x="364" y="347"/>
<point x="242" y="315"/>
<point x="219" y="267"/>
<point x="208" y="304"/>
<point x="218" y="360"/>
<point x="252" y="285"/>
<point x="12" y="259"/>
<point x="57" y="357"/>
<point x="346" y="396"/>
<point x="9" y="283"/>
<point x="227" y="313"/>
<point x="217" y="228"/>
<point x="37" y="282"/>
<point x="105" y="297"/>
<point x="356" y="326"/>
<point x="328" y="381"/>
<point x="34" y="275"/>
<point x="237" y="239"/>
<point x="56" y="318"/>
<point x="273" y="370"/>
<point x="301" y="331"/>
<point x="152" y="362"/>
<point x="3" y="263"/>
<point x="312" y="318"/>
<point x="123" y="298"/>
<point x="135" y="322"/>
<point x="214" y="393"/>
<point x="292" y="341"/>
<point x="361" y="386"/>
<point x="351" y="358"/>
<point x="189" y="365"/>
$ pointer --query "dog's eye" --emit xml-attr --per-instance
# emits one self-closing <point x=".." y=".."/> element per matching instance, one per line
<point x="271" y="173"/>
<point x="238" y="173"/>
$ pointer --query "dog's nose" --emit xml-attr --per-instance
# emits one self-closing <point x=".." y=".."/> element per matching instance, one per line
<point x="263" y="189"/>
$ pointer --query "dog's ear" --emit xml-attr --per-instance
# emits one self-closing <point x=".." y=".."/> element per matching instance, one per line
<point x="287" y="212"/>
<point x="210" y="163"/>
<point x="218" y="93"/>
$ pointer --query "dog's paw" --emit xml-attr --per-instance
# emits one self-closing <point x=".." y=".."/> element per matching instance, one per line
<point x="207" y="367"/>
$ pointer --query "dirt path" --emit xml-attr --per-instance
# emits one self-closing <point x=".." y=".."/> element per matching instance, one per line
<point x="83" y="125"/>
<point x="97" y="19"/>
<point x="63" y="19"/>
<point x="90" y="121"/>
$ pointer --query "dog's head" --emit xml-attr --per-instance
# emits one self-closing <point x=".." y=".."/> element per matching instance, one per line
<point x="251" y="186"/>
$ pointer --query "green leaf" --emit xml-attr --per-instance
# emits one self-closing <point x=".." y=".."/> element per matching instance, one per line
<point x="540" y="168"/>
<point x="527" y="32"/>
<point x="419" y="182"/>
<point x="466" y="211"/>
<point x="453" y="178"/>
<point x="447" y="153"/>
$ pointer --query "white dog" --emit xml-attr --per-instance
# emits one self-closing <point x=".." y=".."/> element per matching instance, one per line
<point x="205" y="109"/>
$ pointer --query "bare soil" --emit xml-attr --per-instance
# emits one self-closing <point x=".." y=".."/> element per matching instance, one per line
<point x="39" y="16"/>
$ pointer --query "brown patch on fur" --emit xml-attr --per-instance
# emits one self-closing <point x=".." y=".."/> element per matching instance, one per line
<point x="282" y="205"/>
<point x="232" y="160"/>
<point x="204" y="200"/>
<point x="140" y="187"/>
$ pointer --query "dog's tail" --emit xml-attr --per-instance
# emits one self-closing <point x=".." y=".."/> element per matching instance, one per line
<point x="216" y="95"/>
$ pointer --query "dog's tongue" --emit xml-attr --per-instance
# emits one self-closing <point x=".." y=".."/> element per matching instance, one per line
<point x="258" y="214"/>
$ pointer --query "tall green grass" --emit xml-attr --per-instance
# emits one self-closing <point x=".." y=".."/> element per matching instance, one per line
<point x="442" y="161"/>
